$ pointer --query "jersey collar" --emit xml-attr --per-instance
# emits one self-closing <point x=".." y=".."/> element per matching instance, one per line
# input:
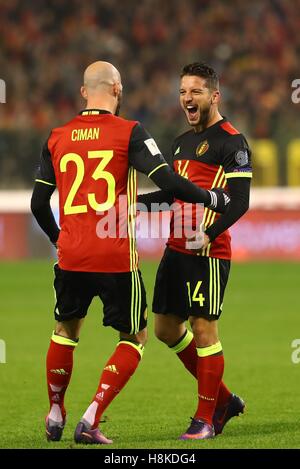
<point x="214" y="126"/>
<point x="93" y="112"/>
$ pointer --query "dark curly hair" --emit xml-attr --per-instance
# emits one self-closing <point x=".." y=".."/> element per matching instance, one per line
<point x="201" y="69"/>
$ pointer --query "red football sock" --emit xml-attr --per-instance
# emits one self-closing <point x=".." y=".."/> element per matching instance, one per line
<point x="223" y="396"/>
<point x="210" y="371"/>
<point x="59" y="369"/>
<point x="188" y="355"/>
<point x="117" y="371"/>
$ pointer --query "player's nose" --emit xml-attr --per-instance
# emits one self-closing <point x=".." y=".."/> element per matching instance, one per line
<point x="188" y="100"/>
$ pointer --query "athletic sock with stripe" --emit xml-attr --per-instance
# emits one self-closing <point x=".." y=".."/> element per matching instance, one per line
<point x="186" y="351"/>
<point x="59" y="366"/>
<point x="117" y="371"/>
<point x="210" y="367"/>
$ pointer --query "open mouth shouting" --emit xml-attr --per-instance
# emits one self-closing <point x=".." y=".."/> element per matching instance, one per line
<point x="192" y="112"/>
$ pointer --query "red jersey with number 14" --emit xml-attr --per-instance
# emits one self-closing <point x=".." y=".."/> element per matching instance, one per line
<point x="208" y="159"/>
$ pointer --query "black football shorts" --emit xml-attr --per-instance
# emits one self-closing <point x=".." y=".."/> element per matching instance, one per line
<point x="188" y="285"/>
<point x="122" y="294"/>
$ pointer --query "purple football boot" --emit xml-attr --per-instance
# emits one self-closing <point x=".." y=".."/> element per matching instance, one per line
<point x="84" y="434"/>
<point x="54" y="430"/>
<point x="198" y="430"/>
<point x="235" y="406"/>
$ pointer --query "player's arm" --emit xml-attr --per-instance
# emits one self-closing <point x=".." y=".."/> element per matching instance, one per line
<point x="239" y="191"/>
<point x="160" y="199"/>
<point x="156" y="198"/>
<point x="145" y="156"/>
<point x="44" y="187"/>
<point x="238" y="172"/>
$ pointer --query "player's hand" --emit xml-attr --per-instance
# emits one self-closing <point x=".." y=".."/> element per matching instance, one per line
<point x="206" y="241"/>
<point x="219" y="200"/>
<point x="198" y="242"/>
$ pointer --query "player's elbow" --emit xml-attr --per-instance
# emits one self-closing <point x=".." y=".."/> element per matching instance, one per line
<point x="242" y="209"/>
<point x="238" y="206"/>
<point x="165" y="179"/>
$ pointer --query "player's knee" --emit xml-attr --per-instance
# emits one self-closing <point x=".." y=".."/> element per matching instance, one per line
<point x="163" y="335"/>
<point x="204" y="334"/>
<point x="68" y="329"/>
<point x="139" y="338"/>
<point x="142" y="336"/>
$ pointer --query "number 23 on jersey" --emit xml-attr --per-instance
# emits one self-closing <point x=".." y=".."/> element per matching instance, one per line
<point x="104" y="156"/>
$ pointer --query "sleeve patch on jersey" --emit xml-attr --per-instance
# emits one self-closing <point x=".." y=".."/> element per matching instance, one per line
<point x="152" y="147"/>
<point x="241" y="157"/>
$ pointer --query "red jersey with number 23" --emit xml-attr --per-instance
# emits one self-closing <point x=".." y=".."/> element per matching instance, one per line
<point x="93" y="160"/>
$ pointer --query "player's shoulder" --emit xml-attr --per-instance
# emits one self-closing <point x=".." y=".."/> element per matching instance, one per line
<point x="229" y="134"/>
<point x="57" y="131"/>
<point x="122" y="121"/>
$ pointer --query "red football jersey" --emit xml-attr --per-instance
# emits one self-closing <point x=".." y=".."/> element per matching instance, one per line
<point x="92" y="161"/>
<point x="208" y="159"/>
<point x="207" y="177"/>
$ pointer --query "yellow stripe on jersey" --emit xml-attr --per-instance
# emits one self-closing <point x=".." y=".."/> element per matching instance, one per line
<point x="218" y="286"/>
<point x="214" y="286"/>
<point x="136" y="295"/>
<point x="45" y="182"/>
<point x="136" y="302"/>
<point x="238" y="175"/>
<point x="155" y="169"/>
<point x="132" y="303"/>
<point x="139" y="309"/>
<point x="209" y="215"/>
<point x="206" y="210"/>
<point x="131" y="214"/>
<point x="213" y="218"/>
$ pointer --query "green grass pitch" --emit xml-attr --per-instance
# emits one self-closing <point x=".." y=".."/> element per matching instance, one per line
<point x="259" y="323"/>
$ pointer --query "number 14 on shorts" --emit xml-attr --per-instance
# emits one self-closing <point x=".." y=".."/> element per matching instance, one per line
<point x="195" y="296"/>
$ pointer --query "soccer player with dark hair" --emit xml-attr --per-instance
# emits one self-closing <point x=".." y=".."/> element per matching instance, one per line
<point x="190" y="283"/>
<point x="92" y="161"/>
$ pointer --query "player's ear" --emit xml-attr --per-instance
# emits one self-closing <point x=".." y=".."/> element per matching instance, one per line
<point x="83" y="92"/>
<point x="215" y="97"/>
<point x="117" y="88"/>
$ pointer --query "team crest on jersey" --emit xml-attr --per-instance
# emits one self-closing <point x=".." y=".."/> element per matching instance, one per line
<point x="202" y="148"/>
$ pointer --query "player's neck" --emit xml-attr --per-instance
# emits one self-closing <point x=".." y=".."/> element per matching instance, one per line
<point x="212" y="120"/>
<point x="104" y="105"/>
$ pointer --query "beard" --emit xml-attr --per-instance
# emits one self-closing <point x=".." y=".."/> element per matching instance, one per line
<point x="204" y="116"/>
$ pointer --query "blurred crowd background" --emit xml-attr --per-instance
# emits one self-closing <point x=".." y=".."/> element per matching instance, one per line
<point x="46" y="44"/>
